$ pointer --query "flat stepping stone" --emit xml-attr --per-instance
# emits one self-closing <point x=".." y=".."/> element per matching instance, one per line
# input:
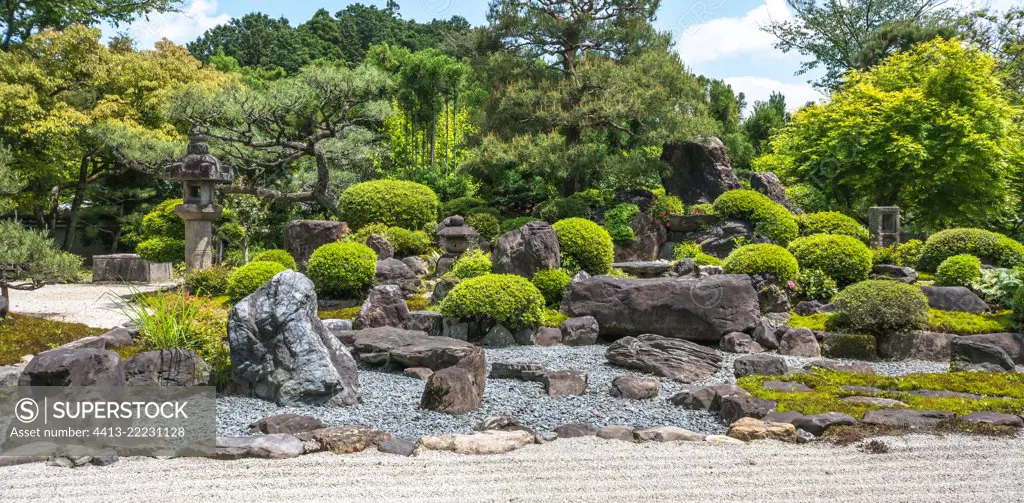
<point x="862" y="389"/>
<point x="817" y="424"/>
<point x="994" y="418"/>
<point x="913" y="419"/>
<point x="929" y="393"/>
<point x="874" y="400"/>
<point x="786" y="387"/>
<point x="651" y="269"/>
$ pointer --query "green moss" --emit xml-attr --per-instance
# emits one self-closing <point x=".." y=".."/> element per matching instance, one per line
<point x="348" y="313"/>
<point x="1000" y="392"/>
<point x="816" y="322"/>
<point x="552" y="318"/>
<point x="951" y="322"/>
<point x="853" y="346"/>
<point x="22" y="335"/>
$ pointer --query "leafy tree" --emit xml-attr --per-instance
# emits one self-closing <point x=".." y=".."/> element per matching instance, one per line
<point x="1003" y="36"/>
<point x="765" y="119"/>
<point x="255" y="40"/>
<point x="930" y="129"/>
<point x="841" y="35"/>
<point x="19" y="20"/>
<point x="38" y="262"/>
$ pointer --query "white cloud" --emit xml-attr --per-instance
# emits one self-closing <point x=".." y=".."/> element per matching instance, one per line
<point x="704" y="38"/>
<point x="761" y="88"/>
<point x="181" y="27"/>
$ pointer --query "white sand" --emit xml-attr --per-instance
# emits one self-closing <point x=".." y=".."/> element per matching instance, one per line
<point x="93" y="305"/>
<point x="919" y="468"/>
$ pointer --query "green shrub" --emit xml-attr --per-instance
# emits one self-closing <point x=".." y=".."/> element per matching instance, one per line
<point x="664" y="206"/>
<point x="510" y="300"/>
<point x="767" y="259"/>
<point x="955" y="322"/>
<point x="997" y="286"/>
<point x="461" y="206"/>
<point x="816" y="285"/>
<point x="885" y="255"/>
<point x="843" y="258"/>
<point x="211" y="282"/>
<point x="280" y="256"/>
<point x="701" y="209"/>
<point x="564" y="208"/>
<point x="246" y="279"/>
<point x="908" y="254"/>
<point x="958" y="270"/>
<point x="585" y="245"/>
<point x="408" y="242"/>
<point x="485" y="224"/>
<point x="392" y="202"/>
<point x="163" y="221"/>
<point x="553" y="318"/>
<point x="551" y="283"/>
<point x="881" y="307"/>
<point x="770" y="218"/>
<point x="617" y="222"/>
<point x="832" y="222"/>
<point x="162" y="249"/>
<point x="471" y="264"/>
<point x="992" y="248"/>
<point x="692" y="250"/>
<point x="342" y="269"/>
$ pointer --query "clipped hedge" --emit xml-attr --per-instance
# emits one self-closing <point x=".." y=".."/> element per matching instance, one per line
<point x="845" y="259"/>
<point x="767" y="259"/>
<point x="832" y="222"/>
<point x="617" y="222"/>
<point x="881" y="307"/>
<point x="211" y="282"/>
<point x="342" y="269"/>
<point x="280" y="256"/>
<point x="396" y="203"/>
<point x="485" y="224"/>
<point x="551" y="283"/>
<point x="692" y="250"/>
<point x="666" y="205"/>
<point x="958" y="270"/>
<point x="247" y="279"/>
<point x="770" y="218"/>
<point x="585" y="245"/>
<point x="471" y="264"/>
<point x="991" y="247"/>
<point x="162" y="249"/>
<point x="510" y="300"/>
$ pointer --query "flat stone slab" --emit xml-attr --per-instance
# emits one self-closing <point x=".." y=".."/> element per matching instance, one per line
<point x="862" y="389"/>
<point x="130" y="268"/>
<point x="928" y="393"/>
<point x="786" y="387"/>
<point x="995" y="418"/>
<point x="913" y="419"/>
<point x="646" y="269"/>
<point x="675" y="359"/>
<point x="874" y="400"/>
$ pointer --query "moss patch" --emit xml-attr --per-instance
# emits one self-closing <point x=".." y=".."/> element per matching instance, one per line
<point x="350" y="313"/>
<point x="22" y="335"/>
<point x="950" y="322"/>
<point x="999" y="392"/>
<point x="817" y="322"/>
<point x="552" y="318"/>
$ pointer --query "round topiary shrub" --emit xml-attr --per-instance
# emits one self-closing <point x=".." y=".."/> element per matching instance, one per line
<point x="246" y="279"/>
<point x="471" y="264"/>
<point x="664" y="206"/>
<point x="832" y="222"/>
<point x="551" y="283"/>
<point x="881" y="307"/>
<point x="162" y="249"/>
<point x="585" y="245"/>
<point x="342" y="269"/>
<point x="770" y="218"/>
<point x="908" y="254"/>
<point x="991" y="247"/>
<point x="280" y="256"/>
<point x="391" y="202"/>
<point x="510" y="300"/>
<point x="162" y="221"/>
<point x="768" y="259"/>
<point x="211" y="282"/>
<point x="408" y="242"/>
<point x="958" y="270"/>
<point x="617" y="222"/>
<point x="843" y="258"/>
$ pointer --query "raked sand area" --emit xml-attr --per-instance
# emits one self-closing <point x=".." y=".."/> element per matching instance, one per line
<point x="918" y="468"/>
<point x="95" y="305"/>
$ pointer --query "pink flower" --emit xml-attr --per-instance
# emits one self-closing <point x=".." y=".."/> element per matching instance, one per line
<point x="792" y="285"/>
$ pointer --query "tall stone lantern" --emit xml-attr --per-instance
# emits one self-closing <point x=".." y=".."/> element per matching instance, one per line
<point x="455" y="237"/>
<point x="198" y="172"/>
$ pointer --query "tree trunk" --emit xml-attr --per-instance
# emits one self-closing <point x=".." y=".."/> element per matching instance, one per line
<point x="433" y="141"/>
<point x="76" y="203"/>
<point x="54" y="208"/>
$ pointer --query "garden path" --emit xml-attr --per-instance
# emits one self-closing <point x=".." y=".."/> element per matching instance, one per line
<point x="95" y="305"/>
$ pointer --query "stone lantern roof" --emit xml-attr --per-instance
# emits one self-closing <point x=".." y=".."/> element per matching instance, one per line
<point x="455" y="227"/>
<point x="199" y="165"/>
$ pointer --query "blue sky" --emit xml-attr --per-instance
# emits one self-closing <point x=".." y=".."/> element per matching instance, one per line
<point x="717" y="38"/>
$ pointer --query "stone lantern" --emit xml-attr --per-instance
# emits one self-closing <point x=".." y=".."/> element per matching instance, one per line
<point x="884" y="224"/>
<point x="198" y="172"/>
<point x="455" y="238"/>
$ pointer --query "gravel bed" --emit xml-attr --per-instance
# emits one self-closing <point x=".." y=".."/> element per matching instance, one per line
<point x="391" y="400"/>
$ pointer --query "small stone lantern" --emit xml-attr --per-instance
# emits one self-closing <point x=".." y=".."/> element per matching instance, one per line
<point x="455" y="238"/>
<point x="199" y="172"/>
<point x="884" y="224"/>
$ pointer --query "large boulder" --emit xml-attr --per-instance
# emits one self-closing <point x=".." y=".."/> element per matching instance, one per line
<point x="526" y="250"/>
<point x="431" y="322"/>
<point x="281" y="351"/>
<point x="769" y="184"/>
<point x="650" y="235"/>
<point x="452" y="391"/>
<point x="303" y="237"/>
<point x="407" y="348"/>
<point x="720" y="240"/>
<point x="384" y="307"/>
<point x="954" y="298"/>
<point x="800" y="342"/>
<point x="700" y="171"/>
<point x="764" y="365"/>
<point x="74" y="367"/>
<point x="579" y="331"/>
<point x="698" y="309"/>
<point x="397" y="272"/>
<point x="974" y="355"/>
<point x="167" y="367"/>
<point x="1012" y="343"/>
<point x="917" y="345"/>
<point x="675" y="359"/>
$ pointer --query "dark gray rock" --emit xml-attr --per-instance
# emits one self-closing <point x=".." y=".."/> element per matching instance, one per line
<point x="773" y="299"/>
<point x="565" y="382"/>
<point x="739" y="342"/>
<point x="453" y="328"/>
<point x="849" y="346"/>
<point x="685" y="267"/>
<point x="932" y="393"/>
<point x="523" y="371"/>
<point x="616" y="432"/>
<point x="129" y="268"/>
<point x="406" y="348"/>
<point x="799" y="342"/>
<point x="498" y="337"/>
<point x="818" y="424"/>
<point x="703" y="309"/>
<point x="720" y="240"/>
<point x="74" y="367"/>
<point x="635" y="388"/>
<point x="421" y="373"/>
<point x="281" y="351"/>
<point x="894" y="272"/>
<point x="384" y="307"/>
<point x="786" y="387"/>
<point x="287" y="423"/>
<point x="417" y="265"/>
<point x="856" y="368"/>
<point x="381" y="246"/>
<point x="5" y="307"/>
<point x="918" y="345"/>
<point x="431" y="322"/>
<point x="337" y="325"/>
<point x="650" y="235"/>
<point x="995" y="418"/>
<point x="442" y="288"/>
<point x="167" y="367"/>
<point x="526" y="250"/>
<point x="396" y="272"/>
<point x="524" y="336"/>
<point x="675" y="359"/>
<point x="707" y="398"/>
<point x="769" y="184"/>
<point x="699" y="171"/>
<point x="954" y="298"/>
<point x="118" y="338"/>
<point x="397" y="446"/>
<point x="576" y="430"/>
<point x="766" y="365"/>
<point x="767" y="333"/>
<point x="787" y="417"/>
<point x="645" y="269"/>
<point x="807" y="307"/>
<point x="686" y="224"/>
<point x="259" y="446"/>
<point x="547" y="336"/>
<point x="913" y="419"/>
<point x="1012" y="343"/>
<point x="452" y="390"/>
<point x="303" y="237"/>
<point x="974" y="355"/>
<point x="580" y="331"/>
<point x="737" y="406"/>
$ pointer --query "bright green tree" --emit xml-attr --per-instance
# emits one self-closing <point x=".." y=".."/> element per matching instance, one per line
<point x="21" y="19"/>
<point x="29" y="260"/>
<point x="765" y="119"/>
